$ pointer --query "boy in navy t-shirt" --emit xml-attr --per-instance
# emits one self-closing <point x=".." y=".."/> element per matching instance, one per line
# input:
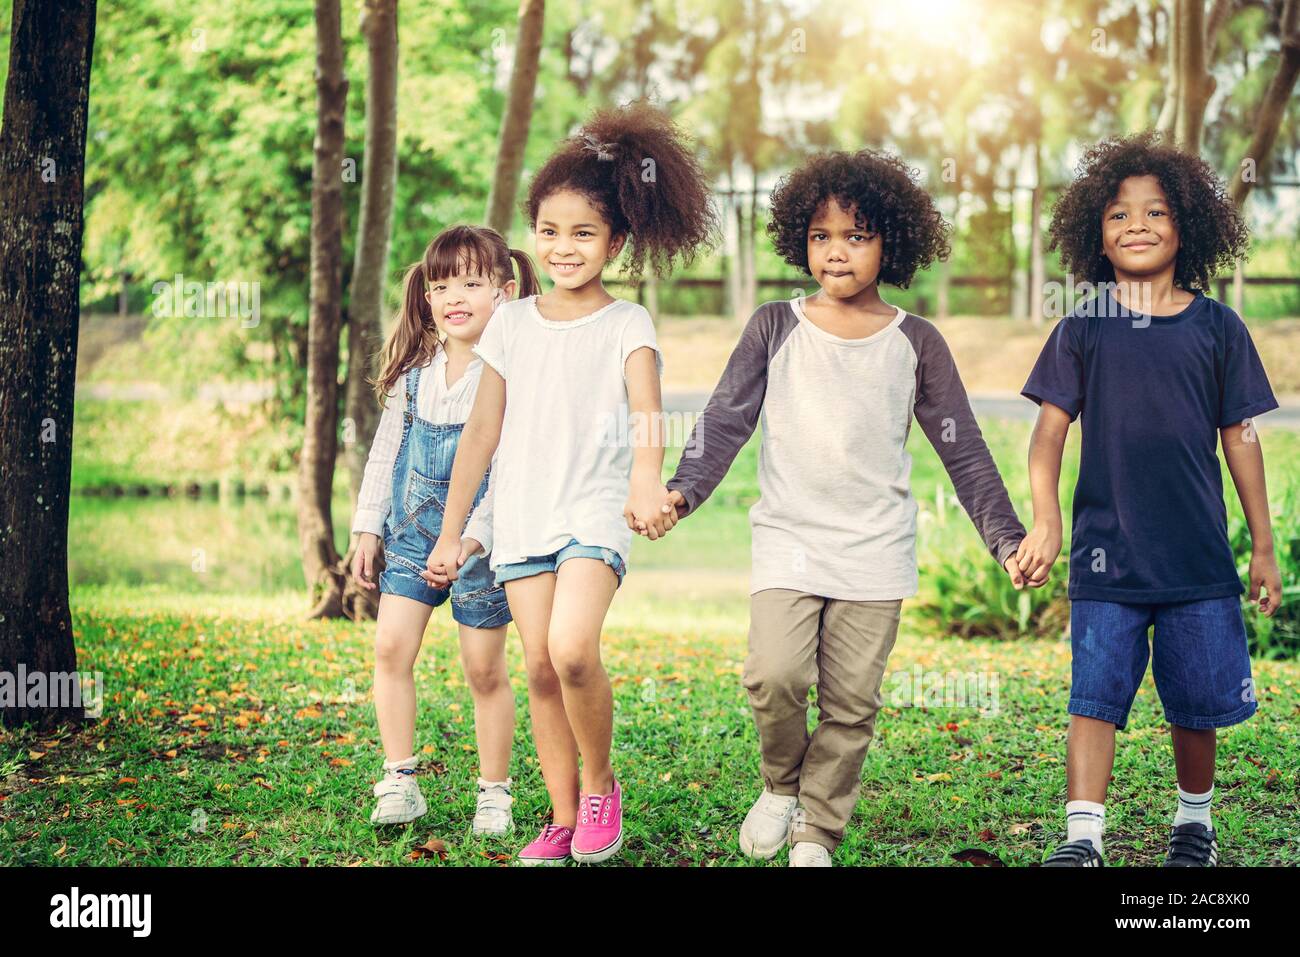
<point x="1157" y="372"/>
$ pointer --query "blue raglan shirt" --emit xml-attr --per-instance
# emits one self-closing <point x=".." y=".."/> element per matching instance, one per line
<point x="1150" y="524"/>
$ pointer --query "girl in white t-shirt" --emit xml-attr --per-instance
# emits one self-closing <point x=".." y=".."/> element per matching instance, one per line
<point x="569" y="402"/>
<point x="427" y="387"/>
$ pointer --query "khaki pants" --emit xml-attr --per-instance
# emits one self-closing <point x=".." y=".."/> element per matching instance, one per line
<point x="797" y="640"/>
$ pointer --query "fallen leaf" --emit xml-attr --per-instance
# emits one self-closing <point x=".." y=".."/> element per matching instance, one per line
<point x="978" y="857"/>
<point x="430" y="848"/>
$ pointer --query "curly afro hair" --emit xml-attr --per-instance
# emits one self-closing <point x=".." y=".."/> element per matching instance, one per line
<point x="887" y="200"/>
<point x="632" y="163"/>
<point x="1211" y="233"/>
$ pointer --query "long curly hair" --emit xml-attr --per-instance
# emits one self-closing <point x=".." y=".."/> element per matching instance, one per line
<point x="1212" y="236"/>
<point x="632" y="163"/>
<point x="885" y="197"/>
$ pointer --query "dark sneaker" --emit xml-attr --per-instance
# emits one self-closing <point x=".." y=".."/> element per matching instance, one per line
<point x="1082" y="853"/>
<point x="1192" y="845"/>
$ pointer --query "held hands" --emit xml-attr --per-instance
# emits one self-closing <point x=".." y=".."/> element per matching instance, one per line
<point x="1263" y="572"/>
<point x="449" y="553"/>
<point x="363" y="560"/>
<point x="651" y="509"/>
<point x="1033" y="560"/>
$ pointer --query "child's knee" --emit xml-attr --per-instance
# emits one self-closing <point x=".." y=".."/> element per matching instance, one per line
<point x="542" y="679"/>
<point x="392" y="649"/>
<point x="575" y="665"/>
<point x="769" y="678"/>
<point x="484" y="677"/>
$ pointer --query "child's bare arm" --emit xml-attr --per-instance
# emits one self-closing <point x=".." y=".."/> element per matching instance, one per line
<point x="1245" y="458"/>
<point x="478" y="441"/>
<point x="1040" y="548"/>
<point x="646" y="490"/>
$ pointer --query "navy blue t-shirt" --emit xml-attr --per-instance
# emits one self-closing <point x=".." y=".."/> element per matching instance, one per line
<point x="1150" y="525"/>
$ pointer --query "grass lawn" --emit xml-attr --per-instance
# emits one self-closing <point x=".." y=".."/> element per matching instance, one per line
<point x="234" y="733"/>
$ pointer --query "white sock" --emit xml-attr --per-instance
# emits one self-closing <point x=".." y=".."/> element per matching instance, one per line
<point x="1194" y="807"/>
<point x="406" y="764"/>
<point x="1085" y="820"/>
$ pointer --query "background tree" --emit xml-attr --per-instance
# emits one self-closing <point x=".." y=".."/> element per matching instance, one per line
<point x="320" y="433"/>
<point x="517" y="117"/>
<point x="370" y="266"/>
<point x="42" y="157"/>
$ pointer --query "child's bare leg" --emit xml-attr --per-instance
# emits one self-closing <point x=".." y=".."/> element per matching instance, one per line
<point x="557" y="752"/>
<point x="584" y="589"/>
<point x="483" y="658"/>
<point x="1194" y="755"/>
<point x="398" y="634"/>
<point x="1090" y="756"/>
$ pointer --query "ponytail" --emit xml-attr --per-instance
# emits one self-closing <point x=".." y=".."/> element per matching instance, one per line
<point x="414" y="339"/>
<point x="636" y="168"/>
<point x="528" y="284"/>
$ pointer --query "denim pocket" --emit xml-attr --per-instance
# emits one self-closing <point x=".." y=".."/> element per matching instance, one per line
<point x="424" y="503"/>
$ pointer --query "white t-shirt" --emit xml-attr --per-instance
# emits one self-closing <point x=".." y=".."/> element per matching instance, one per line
<point x="564" y="460"/>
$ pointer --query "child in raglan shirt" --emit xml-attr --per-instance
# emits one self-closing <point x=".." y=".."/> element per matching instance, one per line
<point x="1158" y="373"/>
<point x="836" y="379"/>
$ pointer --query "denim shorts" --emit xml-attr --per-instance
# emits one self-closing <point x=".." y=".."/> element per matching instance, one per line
<point x="549" y="563"/>
<point x="1198" y="657"/>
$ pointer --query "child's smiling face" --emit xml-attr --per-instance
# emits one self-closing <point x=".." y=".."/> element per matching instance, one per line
<point x="463" y="304"/>
<point x="843" y="252"/>
<point x="1138" y="234"/>
<point x="574" y="241"/>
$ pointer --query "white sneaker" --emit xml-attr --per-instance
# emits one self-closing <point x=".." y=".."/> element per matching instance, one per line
<point x="493" y="814"/>
<point x="400" y="800"/>
<point x="767" y="825"/>
<point x="809" y="854"/>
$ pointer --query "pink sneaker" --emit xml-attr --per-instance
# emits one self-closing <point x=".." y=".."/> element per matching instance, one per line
<point x="599" y="833"/>
<point x="549" y="847"/>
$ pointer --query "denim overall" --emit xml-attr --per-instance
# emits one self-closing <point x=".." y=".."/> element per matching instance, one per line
<point x="421" y="480"/>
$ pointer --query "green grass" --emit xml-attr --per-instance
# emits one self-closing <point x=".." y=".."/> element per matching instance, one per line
<point x="235" y="712"/>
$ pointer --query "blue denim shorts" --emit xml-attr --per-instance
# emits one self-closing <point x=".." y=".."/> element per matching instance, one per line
<point x="1198" y="656"/>
<point x="549" y="563"/>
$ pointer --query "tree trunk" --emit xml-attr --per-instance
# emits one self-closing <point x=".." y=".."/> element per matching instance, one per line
<point x="1272" y="110"/>
<point x="320" y="434"/>
<point x="1195" y="83"/>
<point x="1173" y="81"/>
<point x="731" y="237"/>
<point x="374" y="229"/>
<point x="518" y="114"/>
<point x="1238" y="289"/>
<point x="1037" y="275"/>
<point x="42" y="159"/>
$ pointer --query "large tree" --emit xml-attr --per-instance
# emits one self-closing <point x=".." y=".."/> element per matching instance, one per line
<point x="1272" y="110"/>
<point x="320" y="558"/>
<point x="374" y="229"/>
<point x="517" y="116"/>
<point x="42" y="160"/>
<point x="370" y="263"/>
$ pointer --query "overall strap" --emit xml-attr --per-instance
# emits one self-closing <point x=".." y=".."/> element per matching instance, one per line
<point x="412" y="390"/>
